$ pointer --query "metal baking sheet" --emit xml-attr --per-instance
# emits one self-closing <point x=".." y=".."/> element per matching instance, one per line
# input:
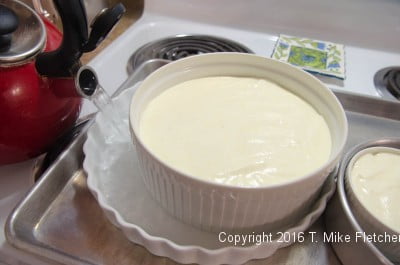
<point x="60" y="220"/>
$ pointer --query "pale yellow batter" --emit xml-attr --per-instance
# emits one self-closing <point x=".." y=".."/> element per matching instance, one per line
<point x="235" y="130"/>
<point x="375" y="179"/>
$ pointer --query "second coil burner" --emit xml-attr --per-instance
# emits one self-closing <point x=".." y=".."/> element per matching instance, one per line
<point x="181" y="46"/>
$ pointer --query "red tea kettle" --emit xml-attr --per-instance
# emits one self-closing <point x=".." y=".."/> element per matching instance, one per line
<point x="38" y="99"/>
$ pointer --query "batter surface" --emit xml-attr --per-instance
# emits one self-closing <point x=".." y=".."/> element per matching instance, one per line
<point x="235" y="130"/>
<point x="375" y="179"/>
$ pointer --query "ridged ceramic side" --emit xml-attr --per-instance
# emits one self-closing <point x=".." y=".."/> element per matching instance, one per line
<point x="216" y="207"/>
<point x="112" y="169"/>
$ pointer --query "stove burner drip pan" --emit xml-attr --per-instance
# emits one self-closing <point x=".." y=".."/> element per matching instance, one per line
<point x="387" y="82"/>
<point x="181" y="46"/>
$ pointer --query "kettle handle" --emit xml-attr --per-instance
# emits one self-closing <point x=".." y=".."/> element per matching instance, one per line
<point x="102" y="25"/>
<point x="64" y="62"/>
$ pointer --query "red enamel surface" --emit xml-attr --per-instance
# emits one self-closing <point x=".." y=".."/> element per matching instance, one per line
<point x="34" y="110"/>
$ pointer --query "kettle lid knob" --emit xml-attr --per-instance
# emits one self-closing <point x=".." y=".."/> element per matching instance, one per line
<point x="22" y="33"/>
<point x="9" y="20"/>
<point x="8" y="24"/>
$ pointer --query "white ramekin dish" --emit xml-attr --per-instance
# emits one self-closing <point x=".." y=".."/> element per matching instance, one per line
<point x="371" y="223"/>
<point x="217" y="207"/>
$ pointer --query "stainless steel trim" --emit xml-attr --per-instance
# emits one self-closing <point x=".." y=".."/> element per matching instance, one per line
<point x="369" y="105"/>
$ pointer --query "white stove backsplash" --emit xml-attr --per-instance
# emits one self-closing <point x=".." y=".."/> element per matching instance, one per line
<point x="373" y="24"/>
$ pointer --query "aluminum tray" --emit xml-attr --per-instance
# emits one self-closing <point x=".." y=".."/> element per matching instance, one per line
<point x="60" y="220"/>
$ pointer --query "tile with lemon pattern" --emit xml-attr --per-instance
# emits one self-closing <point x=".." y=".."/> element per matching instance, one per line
<point x="322" y="57"/>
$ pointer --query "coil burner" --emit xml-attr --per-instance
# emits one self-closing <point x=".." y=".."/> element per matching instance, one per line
<point x="181" y="46"/>
<point x="387" y="82"/>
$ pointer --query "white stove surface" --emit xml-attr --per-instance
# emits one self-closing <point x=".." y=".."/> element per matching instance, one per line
<point x="369" y="29"/>
<point x="361" y="63"/>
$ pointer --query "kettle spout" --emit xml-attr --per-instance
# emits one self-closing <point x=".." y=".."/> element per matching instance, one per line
<point x="86" y="82"/>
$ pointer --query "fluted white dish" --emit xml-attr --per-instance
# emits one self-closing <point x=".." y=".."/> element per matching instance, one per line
<point x="114" y="178"/>
<point x="212" y="206"/>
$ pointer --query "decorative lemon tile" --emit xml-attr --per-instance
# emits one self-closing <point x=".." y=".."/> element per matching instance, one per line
<point x="315" y="56"/>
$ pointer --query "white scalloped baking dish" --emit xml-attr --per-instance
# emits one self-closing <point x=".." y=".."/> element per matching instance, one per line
<point x="115" y="181"/>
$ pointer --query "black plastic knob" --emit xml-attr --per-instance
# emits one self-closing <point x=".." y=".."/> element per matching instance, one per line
<point x="8" y="24"/>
